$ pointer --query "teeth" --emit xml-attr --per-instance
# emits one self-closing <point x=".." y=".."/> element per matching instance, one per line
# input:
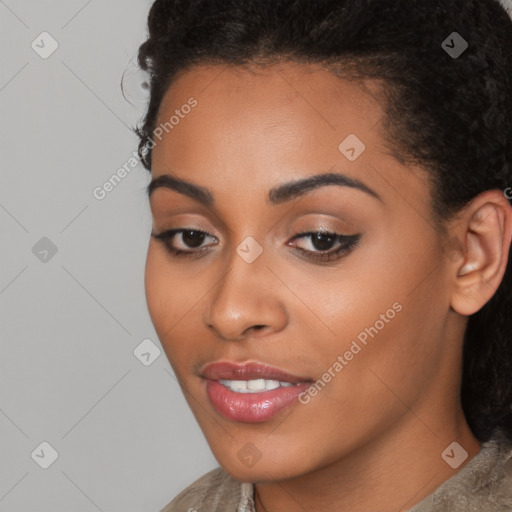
<point x="256" y="385"/>
<point x="253" y="386"/>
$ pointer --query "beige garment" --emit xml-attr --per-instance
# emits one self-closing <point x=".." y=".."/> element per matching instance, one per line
<point x="484" y="484"/>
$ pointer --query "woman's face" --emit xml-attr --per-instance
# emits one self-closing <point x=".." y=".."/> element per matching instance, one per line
<point x="372" y="323"/>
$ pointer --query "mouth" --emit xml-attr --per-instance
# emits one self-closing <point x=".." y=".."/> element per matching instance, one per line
<point x="249" y="372"/>
<point x="251" y="392"/>
<point x="254" y="385"/>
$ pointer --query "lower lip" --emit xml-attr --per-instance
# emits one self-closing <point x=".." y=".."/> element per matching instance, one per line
<point x="252" y="407"/>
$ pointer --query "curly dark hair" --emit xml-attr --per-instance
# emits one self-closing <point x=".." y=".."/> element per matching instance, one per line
<point x="452" y="115"/>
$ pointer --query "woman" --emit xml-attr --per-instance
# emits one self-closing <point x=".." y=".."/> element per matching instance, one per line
<point x="329" y="268"/>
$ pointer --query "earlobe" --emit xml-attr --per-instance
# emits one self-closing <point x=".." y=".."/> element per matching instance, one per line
<point x="487" y="236"/>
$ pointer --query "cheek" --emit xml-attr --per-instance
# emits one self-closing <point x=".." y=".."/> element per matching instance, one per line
<point x="385" y="310"/>
<point x="168" y="309"/>
<point x="404" y="347"/>
<point x="168" y="297"/>
<point x="155" y="285"/>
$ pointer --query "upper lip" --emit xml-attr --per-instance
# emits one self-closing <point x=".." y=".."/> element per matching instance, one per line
<point x="230" y="370"/>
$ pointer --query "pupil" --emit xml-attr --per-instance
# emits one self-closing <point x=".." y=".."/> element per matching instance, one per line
<point x="194" y="240"/>
<point x="323" y="241"/>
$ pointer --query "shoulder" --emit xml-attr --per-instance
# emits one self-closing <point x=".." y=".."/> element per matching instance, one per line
<point x="501" y="477"/>
<point x="485" y="483"/>
<point x="215" y="491"/>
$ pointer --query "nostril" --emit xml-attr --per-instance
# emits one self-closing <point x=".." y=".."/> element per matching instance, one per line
<point x="256" y="328"/>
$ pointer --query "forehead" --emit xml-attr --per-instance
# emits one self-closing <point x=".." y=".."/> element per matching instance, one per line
<point x="285" y="112"/>
<point x="251" y="129"/>
<point x="273" y="97"/>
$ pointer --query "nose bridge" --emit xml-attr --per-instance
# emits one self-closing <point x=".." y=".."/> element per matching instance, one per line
<point x="243" y="298"/>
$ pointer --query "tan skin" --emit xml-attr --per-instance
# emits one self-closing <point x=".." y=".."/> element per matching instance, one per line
<point x="372" y="439"/>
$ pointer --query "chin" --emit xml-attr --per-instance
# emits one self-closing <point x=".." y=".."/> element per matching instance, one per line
<point x="266" y="469"/>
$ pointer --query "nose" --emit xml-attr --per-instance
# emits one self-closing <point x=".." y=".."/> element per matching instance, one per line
<point x="246" y="302"/>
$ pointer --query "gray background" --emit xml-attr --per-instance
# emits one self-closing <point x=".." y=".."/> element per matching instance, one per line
<point x="125" y="438"/>
<point x="72" y="320"/>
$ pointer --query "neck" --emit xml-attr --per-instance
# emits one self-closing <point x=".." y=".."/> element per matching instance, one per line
<point x="390" y="473"/>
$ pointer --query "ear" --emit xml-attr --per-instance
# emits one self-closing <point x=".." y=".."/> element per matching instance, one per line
<point x="483" y="233"/>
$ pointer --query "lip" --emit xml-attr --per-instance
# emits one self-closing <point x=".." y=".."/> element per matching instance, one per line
<point x="247" y="371"/>
<point x="251" y="407"/>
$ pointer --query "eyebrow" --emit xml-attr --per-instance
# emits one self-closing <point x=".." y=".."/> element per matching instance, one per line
<point x="277" y="195"/>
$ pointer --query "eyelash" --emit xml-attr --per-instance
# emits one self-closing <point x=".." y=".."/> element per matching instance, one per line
<point x="348" y="243"/>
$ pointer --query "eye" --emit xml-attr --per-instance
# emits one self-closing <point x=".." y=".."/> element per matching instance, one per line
<point x="321" y="242"/>
<point x="190" y="239"/>
<point x="319" y="247"/>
